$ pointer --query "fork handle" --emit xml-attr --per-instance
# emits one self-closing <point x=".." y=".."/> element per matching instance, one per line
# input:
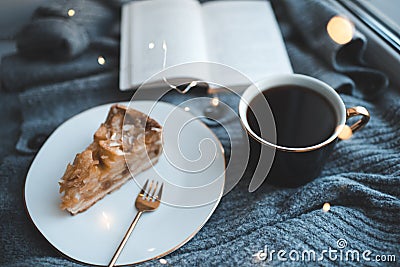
<point x="126" y="237"/>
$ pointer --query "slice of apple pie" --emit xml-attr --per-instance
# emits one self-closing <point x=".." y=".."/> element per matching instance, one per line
<point x="127" y="138"/>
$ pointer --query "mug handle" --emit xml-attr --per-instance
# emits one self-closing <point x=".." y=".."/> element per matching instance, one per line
<point x="348" y="131"/>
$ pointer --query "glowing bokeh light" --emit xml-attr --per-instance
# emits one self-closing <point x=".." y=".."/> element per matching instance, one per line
<point x="326" y="207"/>
<point x="340" y="29"/>
<point x="101" y="60"/>
<point x="346" y="133"/>
<point x="71" y="12"/>
<point x="215" y="101"/>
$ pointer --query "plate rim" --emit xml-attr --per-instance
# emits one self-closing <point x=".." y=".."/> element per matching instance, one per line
<point x="186" y="240"/>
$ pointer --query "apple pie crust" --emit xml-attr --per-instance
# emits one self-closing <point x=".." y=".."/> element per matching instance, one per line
<point x="126" y="137"/>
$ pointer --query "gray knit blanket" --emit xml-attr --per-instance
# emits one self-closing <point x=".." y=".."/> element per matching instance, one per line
<point x="349" y="215"/>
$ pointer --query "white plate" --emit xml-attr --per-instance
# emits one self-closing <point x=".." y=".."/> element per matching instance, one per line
<point x="92" y="236"/>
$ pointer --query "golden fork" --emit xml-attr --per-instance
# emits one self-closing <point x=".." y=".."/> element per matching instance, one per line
<point x="147" y="200"/>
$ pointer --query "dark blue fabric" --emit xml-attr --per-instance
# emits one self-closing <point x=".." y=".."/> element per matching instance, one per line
<point x="360" y="181"/>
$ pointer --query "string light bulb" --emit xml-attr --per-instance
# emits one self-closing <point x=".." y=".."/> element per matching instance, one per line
<point x="345" y="133"/>
<point x="101" y="60"/>
<point x="340" y="29"/>
<point x="71" y="12"/>
<point x="215" y="101"/>
<point x="326" y="207"/>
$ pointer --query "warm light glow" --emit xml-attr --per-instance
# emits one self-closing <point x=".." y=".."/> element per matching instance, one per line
<point x="151" y="45"/>
<point x="187" y="109"/>
<point x="106" y="220"/>
<point x="345" y="133"/>
<point x="101" y="60"/>
<point x="71" y="12"/>
<point x="215" y="101"/>
<point x="193" y="84"/>
<point x="326" y="207"/>
<point x="340" y="29"/>
<point x="163" y="261"/>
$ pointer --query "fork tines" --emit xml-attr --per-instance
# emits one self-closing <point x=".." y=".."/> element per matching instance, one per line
<point x="149" y="192"/>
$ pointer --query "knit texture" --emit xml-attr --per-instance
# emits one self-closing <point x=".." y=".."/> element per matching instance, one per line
<point x="360" y="180"/>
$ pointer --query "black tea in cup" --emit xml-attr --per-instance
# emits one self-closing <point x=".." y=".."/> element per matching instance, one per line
<point x="302" y="117"/>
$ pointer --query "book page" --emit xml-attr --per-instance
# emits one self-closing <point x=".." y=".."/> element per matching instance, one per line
<point x="178" y="23"/>
<point x="245" y="35"/>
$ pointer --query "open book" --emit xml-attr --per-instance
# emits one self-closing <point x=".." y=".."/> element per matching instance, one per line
<point x="157" y="34"/>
